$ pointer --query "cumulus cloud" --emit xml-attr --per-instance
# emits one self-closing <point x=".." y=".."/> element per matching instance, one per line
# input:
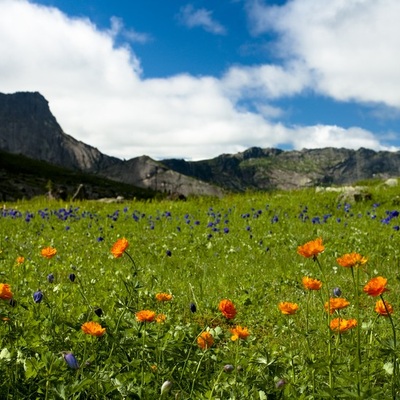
<point x="193" y="18"/>
<point x="349" y="46"/>
<point x="96" y="90"/>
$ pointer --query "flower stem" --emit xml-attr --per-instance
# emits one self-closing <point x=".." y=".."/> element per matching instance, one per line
<point x="356" y="280"/>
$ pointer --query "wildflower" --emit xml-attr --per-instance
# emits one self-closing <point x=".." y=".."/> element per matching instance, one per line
<point x="376" y="286"/>
<point x="145" y="316"/>
<point x="337" y="292"/>
<point x="50" y="278"/>
<point x="160" y="318"/>
<point x="228" y="368"/>
<point x="93" y="328"/>
<point x="288" y="308"/>
<point x="48" y="252"/>
<point x="163" y="296"/>
<point x="311" y="249"/>
<point x="168" y="253"/>
<point x="342" y="325"/>
<point x="71" y="277"/>
<point x="193" y="307"/>
<point x="239" y="333"/>
<point x="20" y="260"/>
<point x="227" y="308"/>
<point x="205" y="340"/>
<point x="5" y="291"/>
<point x="165" y="387"/>
<point x="280" y="384"/>
<point x="351" y="260"/>
<point x="38" y="296"/>
<point x="119" y="247"/>
<point x="98" y="311"/>
<point x="382" y="310"/>
<point x="71" y="360"/>
<point x="311" y="284"/>
<point x="336" y="303"/>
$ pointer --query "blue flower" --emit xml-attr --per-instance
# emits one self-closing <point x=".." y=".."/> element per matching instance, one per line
<point x="72" y="277"/>
<point x="337" y="292"/>
<point x="71" y="360"/>
<point x="192" y="307"/>
<point x="38" y="296"/>
<point x="50" y="278"/>
<point x="168" y="252"/>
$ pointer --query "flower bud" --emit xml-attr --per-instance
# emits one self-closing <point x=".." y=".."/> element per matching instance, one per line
<point x="38" y="296"/>
<point x="166" y="386"/>
<point x="228" y="368"/>
<point x="71" y="360"/>
<point x="193" y="308"/>
<point x="50" y="278"/>
<point x="71" y="277"/>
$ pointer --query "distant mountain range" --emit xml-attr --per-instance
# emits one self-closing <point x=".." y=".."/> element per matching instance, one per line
<point x="28" y="129"/>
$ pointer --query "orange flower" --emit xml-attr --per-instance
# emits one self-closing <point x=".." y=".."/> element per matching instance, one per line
<point x="160" y="318"/>
<point x="342" y="325"/>
<point x="20" y="260"/>
<point x="227" y="308"/>
<point x="119" y="247"/>
<point x="382" y="310"/>
<point x="93" y="328"/>
<point x="239" y="332"/>
<point x="351" y="260"/>
<point x="376" y="286"/>
<point x="5" y="291"/>
<point x="48" y="252"/>
<point x="336" y="303"/>
<point x="311" y="284"/>
<point x="288" y="308"/>
<point x="205" y="340"/>
<point x="145" y="316"/>
<point x="311" y="249"/>
<point x="163" y="296"/>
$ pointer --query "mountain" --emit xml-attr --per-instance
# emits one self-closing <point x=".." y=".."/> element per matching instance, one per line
<point x="268" y="169"/>
<point x="28" y="129"/>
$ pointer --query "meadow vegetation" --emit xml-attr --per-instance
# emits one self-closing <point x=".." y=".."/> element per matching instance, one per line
<point x="253" y="296"/>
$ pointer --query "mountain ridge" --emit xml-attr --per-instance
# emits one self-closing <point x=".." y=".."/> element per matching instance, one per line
<point x="28" y="127"/>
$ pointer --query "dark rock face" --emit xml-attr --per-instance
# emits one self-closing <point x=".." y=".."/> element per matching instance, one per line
<point x="28" y="127"/>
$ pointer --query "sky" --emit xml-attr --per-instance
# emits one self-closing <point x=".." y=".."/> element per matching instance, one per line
<point x="199" y="78"/>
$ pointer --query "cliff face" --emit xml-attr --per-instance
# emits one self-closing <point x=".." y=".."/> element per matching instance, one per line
<point x="28" y="127"/>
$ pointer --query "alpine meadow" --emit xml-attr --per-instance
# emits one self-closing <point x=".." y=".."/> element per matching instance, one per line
<point x="278" y="295"/>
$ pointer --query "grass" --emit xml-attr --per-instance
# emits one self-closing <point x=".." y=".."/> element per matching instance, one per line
<point x="242" y="248"/>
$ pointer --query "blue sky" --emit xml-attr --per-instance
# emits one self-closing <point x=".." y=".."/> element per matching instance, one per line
<point x="195" y="79"/>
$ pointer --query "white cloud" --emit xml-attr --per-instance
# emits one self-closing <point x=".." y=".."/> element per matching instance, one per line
<point x="118" y="29"/>
<point x="349" y="45"/>
<point x="98" y="95"/>
<point x="193" y="18"/>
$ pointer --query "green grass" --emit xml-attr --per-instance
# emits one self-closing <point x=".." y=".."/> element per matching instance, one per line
<point x="242" y="248"/>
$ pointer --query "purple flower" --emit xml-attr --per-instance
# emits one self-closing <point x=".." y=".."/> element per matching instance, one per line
<point x="72" y="277"/>
<point x="168" y="252"/>
<point x="280" y="384"/>
<point x="98" y="311"/>
<point x="193" y="308"/>
<point x="71" y="360"/>
<point x="337" y="292"/>
<point x="50" y="278"/>
<point x="38" y="296"/>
